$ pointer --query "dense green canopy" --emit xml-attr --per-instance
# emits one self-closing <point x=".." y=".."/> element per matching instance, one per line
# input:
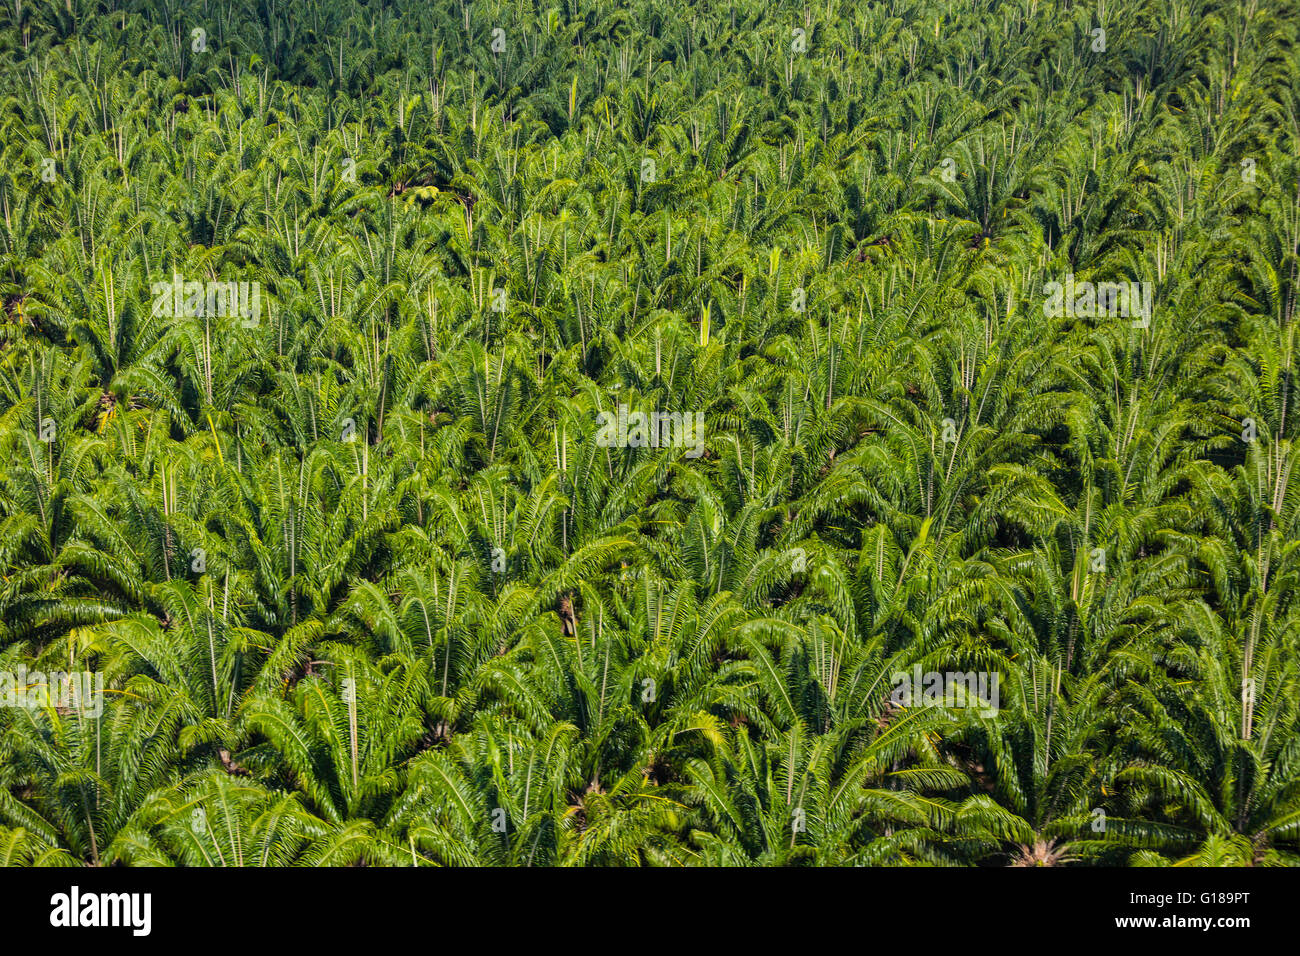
<point x="365" y="582"/>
